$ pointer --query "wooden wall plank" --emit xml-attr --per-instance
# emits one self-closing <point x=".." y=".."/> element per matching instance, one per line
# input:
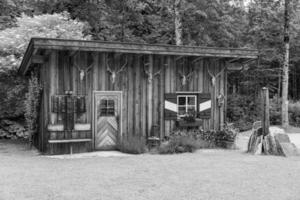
<point x="143" y="89"/>
<point x="150" y="95"/>
<point x="61" y="75"/>
<point x="173" y="75"/>
<point x="162" y="97"/>
<point x="155" y="93"/>
<point x="130" y="101"/>
<point x="137" y="85"/>
<point x="222" y="77"/>
<point x="167" y="89"/>
<point x="102" y="72"/>
<point x="125" y="99"/>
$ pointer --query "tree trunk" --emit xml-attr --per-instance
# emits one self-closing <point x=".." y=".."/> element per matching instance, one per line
<point x="265" y="111"/>
<point x="178" y="22"/>
<point x="285" y="77"/>
<point x="242" y="4"/>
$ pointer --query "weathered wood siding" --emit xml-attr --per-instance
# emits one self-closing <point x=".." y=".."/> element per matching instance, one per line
<point x="143" y="97"/>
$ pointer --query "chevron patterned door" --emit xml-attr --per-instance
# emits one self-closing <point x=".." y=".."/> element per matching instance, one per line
<point x="107" y="119"/>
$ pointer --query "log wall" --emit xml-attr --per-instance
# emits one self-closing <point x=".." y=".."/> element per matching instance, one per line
<point x="143" y="96"/>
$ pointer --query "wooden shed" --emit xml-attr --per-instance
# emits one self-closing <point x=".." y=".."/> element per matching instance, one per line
<point x="96" y="93"/>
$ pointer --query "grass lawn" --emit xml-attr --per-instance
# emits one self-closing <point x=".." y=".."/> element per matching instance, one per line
<point x="206" y="174"/>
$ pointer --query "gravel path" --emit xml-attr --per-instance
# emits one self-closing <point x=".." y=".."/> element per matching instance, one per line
<point x="206" y="174"/>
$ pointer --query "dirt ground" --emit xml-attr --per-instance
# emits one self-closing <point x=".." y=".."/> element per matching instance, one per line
<point x="206" y="174"/>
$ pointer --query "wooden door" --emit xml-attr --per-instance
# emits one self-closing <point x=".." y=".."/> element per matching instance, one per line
<point x="107" y="119"/>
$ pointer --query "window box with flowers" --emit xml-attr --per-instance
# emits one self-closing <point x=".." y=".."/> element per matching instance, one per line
<point x="190" y="120"/>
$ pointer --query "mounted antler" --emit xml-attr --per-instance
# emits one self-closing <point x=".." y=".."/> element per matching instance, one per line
<point x="82" y="71"/>
<point x="115" y="72"/>
<point x="151" y="75"/>
<point x="214" y="77"/>
<point x="185" y="77"/>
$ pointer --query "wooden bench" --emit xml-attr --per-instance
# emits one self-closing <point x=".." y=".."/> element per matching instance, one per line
<point x="71" y="141"/>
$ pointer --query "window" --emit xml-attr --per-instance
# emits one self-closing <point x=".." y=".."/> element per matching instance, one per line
<point x="186" y="104"/>
<point x="107" y="107"/>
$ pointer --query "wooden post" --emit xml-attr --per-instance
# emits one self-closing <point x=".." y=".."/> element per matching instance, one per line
<point x="265" y="111"/>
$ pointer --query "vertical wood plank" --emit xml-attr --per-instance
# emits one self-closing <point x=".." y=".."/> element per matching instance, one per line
<point x="200" y="75"/>
<point x="61" y="89"/>
<point x="143" y="89"/>
<point x="150" y="95"/>
<point x="125" y="100"/>
<point x="137" y="85"/>
<point x="155" y="97"/>
<point x="66" y="70"/>
<point x="162" y="97"/>
<point x="95" y="71"/>
<point x="225" y="92"/>
<point x="102" y="72"/>
<point x="52" y="84"/>
<point x="130" y="105"/>
<point x="173" y="75"/>
<point x="222" y="93"/>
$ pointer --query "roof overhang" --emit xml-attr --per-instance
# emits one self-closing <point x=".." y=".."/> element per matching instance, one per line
<point x="37" y="44"/>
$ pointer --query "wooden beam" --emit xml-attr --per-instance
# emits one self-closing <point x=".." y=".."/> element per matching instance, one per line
<point x="85" y="45"/>
<point x="100" y="46"/>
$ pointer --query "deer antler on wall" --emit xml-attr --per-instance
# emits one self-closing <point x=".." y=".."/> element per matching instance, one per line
<point x="115" y="71"/>
<point x="214" y="77"/>
<point x="82" y="71"/>
<point x="149" y="74"/>
<point x="185" y="77"/>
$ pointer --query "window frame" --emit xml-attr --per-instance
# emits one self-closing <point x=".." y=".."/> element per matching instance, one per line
<point x="107" y="107"/>
<point x="186" y="103"/>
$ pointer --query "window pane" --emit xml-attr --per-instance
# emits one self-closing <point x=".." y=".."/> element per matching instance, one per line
<point x="181" y="110"/>
<point x="191" y="100"/>
<point x="103" y="103"/>
<point x="103" y="111"/>
<point x="110" y="111"/>
<point x="181" y="101"/>
<point x="111" y="103"/>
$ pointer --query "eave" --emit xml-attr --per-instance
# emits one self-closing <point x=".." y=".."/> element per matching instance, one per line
<point x="37" y="44"/>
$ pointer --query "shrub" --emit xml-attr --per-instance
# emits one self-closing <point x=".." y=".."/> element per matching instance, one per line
<point x="294" y="113"/>
<point x="179" y="144"/>
<point x="187" y="141"/>
<point x="132" y="144"/>
<point x="32" y="101"/>
<point x="226" y="134"/>
<point x="242" y="110"/>
<point x="275" y="112"/>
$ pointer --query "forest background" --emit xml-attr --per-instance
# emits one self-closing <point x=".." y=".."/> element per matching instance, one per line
<point x="219" y="23"/>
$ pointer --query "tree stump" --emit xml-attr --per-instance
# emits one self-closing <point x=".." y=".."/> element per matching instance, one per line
<point x="277" y="142"/>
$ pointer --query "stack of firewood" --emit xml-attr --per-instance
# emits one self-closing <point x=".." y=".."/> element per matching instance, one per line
<point x="12" y="130"/>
